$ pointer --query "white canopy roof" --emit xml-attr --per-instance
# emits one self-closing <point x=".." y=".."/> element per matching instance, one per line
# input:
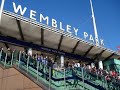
<point x="30" y="31"/>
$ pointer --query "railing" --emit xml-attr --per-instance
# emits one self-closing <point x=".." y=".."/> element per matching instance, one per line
<point x="56" y="79"/>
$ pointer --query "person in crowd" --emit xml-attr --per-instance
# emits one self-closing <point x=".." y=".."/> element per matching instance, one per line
<point x="78" y="65"/>
<point x="108" y="79"/>
<point x="55" y="67"/>
<point x="75" y="77"/>
<point x="51" y="66"/>
<point x="36" y="56"/>
<point x="30" y="59"/>
<point x="100" y="72"/>
<point x="67" y="67"/>
<point x="41" y="62"/>
<point x="2" y="54"/>
<point x="13" y="56"/>
<point x="73" y="64"/>
<point x="113" y="74"/>
<point x="29" y="52"/>
<point x="46" y="60"/>
<point x="16" y="55"/>
<point x="88" y="68"/>
<point x="9" y="55"/>
<point x="66" y="64"/>
<point x="88" y="71"/>
<point x="35" y="59"/>
<point x="84" y="66"/>
<point x="118" y="81"/>
<point x="39" y="58"/>
<point x="48" y="65"/>
<point x="118" y="78"/>
<point x="23" y="57"/>
<point x="94" y="70"/>
<point x="105" y="72"/>
<point x="45" y="63"/>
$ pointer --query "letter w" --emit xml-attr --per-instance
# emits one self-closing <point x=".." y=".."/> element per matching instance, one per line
<point x="16" y="9"/>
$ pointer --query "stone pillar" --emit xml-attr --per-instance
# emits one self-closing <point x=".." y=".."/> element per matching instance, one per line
<point x="62" y="60"/>
<point x="92" y="65"/>
<point x="100" y="64"/>
<point x="30" y="51"/>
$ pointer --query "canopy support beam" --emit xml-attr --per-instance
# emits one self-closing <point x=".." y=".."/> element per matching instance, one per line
<point x="60" y="42"/>
<point x="75" y="47"/>
<point x="88" y="51"/>
<point x="20" y="29"/>
<point x="109" y="57"/>
<point x="96" y="56"/>
<point x="42" y="36"/>
<point x="6" y="45"/>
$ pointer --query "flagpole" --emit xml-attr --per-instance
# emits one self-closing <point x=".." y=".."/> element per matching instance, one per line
<point x="1" y="9"/>
<point x="94" y="25"/>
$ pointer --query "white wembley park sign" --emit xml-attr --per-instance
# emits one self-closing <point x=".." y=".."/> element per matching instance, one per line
<point x="59" y="25"/>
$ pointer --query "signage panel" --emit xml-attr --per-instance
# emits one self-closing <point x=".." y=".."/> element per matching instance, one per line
<point x="25" y="10"/>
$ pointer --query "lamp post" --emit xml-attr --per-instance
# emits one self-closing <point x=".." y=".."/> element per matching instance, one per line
<point x="94" y="24"/>
<point x="1" y="9"/>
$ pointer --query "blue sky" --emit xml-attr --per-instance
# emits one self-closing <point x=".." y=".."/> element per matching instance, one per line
<point x="77" y="13"/>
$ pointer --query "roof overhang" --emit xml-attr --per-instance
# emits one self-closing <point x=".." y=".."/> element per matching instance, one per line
<point x="25" y="29"/>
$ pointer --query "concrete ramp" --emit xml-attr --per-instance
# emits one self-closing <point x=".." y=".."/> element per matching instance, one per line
<point x="11" y="79"/>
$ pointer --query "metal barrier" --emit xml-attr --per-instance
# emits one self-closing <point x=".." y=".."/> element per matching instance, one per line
<point x="57" y="79"/>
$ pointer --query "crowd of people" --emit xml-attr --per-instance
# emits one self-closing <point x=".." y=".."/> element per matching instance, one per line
<point x="111" y="78"/>
<point x="74" y="66"/>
